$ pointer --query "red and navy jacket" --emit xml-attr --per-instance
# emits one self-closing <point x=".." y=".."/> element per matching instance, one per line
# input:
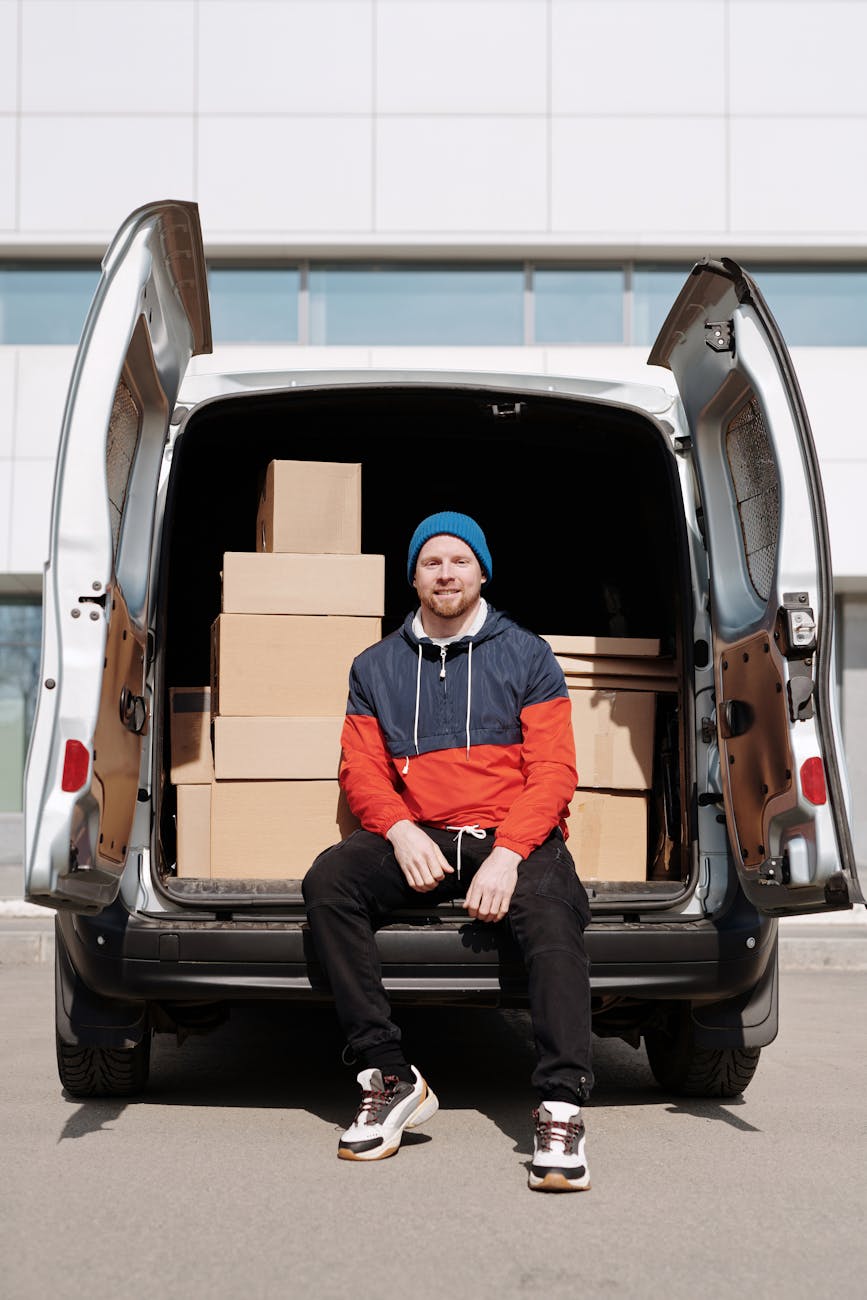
<point x="475" y="733"/>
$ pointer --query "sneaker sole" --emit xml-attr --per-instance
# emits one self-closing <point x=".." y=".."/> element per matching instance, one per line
<point x="427" y="1107"/>
<point x="556" y="1182"/>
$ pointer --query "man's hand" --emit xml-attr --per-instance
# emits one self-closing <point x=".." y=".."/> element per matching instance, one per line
<point x="418" y="857"/>
<point x="489" y="895"/>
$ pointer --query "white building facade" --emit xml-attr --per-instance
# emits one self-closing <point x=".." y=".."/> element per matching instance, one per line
<point x="511" y="185"/>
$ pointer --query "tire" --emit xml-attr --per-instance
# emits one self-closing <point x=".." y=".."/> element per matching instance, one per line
<point x="104" y="1071"/>
<point x="689" y="1071"/>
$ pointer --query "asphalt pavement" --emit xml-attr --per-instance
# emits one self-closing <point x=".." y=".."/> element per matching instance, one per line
<point x="221" y="1180"/>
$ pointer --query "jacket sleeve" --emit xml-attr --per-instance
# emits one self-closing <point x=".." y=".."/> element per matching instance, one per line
<point x="547" y="760"/>
<point x="366" y="773"/>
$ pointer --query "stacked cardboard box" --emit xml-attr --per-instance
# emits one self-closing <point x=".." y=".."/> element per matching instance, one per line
<point x="613" y="684"/>
<point x="294" y="615"/>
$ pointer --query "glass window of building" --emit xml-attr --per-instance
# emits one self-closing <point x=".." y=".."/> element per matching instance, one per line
<point x="417" y="304"/>
<point x="654" y="289"/>
<point x="45" y="304"/>
<point x="20" y="651"/>
<point x="816" y="306"/>
<point x="254" y="304"/>
<point x="578" y="305"/>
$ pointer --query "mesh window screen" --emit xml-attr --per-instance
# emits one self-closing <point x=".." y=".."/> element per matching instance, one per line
<point x="123" y="434"/>
<point x="757" y="488"/>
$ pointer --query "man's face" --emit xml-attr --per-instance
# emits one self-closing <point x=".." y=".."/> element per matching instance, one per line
<point x="448" y="577"/>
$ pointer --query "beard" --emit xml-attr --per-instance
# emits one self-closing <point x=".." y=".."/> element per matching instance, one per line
<point x="453" y="605"/>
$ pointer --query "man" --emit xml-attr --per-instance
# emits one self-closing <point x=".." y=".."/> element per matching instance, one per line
<point x="458" y="759"/>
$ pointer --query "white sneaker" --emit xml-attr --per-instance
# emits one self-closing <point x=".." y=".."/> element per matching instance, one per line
<point x="559" y="1163"/>
<point x="388" y="1106"/>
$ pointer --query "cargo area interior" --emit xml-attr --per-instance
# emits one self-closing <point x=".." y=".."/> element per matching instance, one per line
<point x="581" y="510"/>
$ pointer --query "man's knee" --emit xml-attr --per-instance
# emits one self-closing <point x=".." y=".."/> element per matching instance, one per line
<point x="328" y="877"/>
<point x="341" y="871"/>
<point x="550" y="895"/>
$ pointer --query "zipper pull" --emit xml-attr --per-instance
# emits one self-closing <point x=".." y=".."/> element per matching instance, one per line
<point x="443" y="661"/>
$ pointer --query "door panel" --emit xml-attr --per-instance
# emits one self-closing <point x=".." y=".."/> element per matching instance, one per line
<point x="771" y="594"/>
<point x="149" y="316"/>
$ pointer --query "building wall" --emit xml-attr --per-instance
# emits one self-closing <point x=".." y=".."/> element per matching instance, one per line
<point x="591" y="124"/>
<point x="431" y="128"/>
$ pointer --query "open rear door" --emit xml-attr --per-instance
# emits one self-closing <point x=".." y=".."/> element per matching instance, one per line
<point x="784" y="782"/>
<point x="148" y="317"/>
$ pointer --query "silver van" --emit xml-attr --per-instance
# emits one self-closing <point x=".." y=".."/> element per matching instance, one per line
<point x="697" y="521"/>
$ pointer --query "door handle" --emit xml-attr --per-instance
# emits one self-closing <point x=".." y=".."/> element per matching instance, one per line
<point x="736" y="718"/>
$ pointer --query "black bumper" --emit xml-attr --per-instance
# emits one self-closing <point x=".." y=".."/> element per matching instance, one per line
<point x="134" y="958"/>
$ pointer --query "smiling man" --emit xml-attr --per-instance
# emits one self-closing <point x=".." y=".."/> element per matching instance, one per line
<point x="458" y="759"/>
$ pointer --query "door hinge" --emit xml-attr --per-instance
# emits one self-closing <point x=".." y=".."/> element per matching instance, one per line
<point x="720" y="335"/>
<point x="774" y="871"/>
<point x="708" y="731"/>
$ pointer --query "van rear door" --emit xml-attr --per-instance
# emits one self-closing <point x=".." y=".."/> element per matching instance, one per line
<point x="148" y="317"/>
<point x="771" y="597"/>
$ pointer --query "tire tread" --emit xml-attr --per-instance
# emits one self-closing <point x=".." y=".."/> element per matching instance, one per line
<point x="103" y="1071"/>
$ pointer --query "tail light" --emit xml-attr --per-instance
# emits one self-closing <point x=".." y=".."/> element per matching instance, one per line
<point x="813" y="781"/>
<point x="76" y="763"/>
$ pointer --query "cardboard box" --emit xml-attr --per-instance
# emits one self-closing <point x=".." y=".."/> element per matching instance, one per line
<point x="310" y="506"/>
<point x="285" y="583"/>
<point x="276" y="749"/>
<point x="193" y="830"/>
<point x="614" y="733"/>
<point x="192" y="761"/>
<point x="599" y="682"/>
<point x="273" y="830"/>
<point x="609" y="666"/>
<point x="279" y="665"/>
<point x="608" y="834"/>
<point x="604" y="645"/>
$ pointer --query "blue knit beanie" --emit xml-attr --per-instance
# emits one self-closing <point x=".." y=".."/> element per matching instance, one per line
<point x="453" y="525"/>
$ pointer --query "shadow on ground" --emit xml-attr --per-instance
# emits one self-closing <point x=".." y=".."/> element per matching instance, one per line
<point x="274" y="1055"/>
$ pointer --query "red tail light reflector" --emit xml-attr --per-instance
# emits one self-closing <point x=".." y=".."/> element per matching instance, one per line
<point x="76" y="762"/>
<point x="813" y="781"/>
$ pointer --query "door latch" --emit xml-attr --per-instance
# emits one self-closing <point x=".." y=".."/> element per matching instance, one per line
<point x="720" y="335"/>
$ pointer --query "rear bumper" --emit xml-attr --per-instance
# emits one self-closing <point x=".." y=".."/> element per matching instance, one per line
<point x="130" y="957"/>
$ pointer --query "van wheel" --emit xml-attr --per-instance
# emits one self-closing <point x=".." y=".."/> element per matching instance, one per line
<point x="104" y="1071"/>
<point x="680" y="1067"/>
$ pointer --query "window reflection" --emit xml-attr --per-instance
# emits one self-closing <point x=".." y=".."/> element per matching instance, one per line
<point x="45" y="304"/>
<point x="416" y="305"/>
<point x="445" y="304"/>
<point x="654" y="289"/>
<point x="20" y="652"/>
<point x="254" y="304"/>
<point x="818" y="306"/>
<point x="578" y="305"/>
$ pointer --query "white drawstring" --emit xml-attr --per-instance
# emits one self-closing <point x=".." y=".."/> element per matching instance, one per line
<point x="475" y="830"/>
<point x="415" y="724"/>
<point x="469" y="693"/>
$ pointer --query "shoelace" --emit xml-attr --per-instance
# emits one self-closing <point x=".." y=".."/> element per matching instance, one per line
<point x="373" y="1100"/>
<point x="568" y="1132"/>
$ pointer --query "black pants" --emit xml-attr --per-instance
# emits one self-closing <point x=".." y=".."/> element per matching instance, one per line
<point x="353" y="886"/>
